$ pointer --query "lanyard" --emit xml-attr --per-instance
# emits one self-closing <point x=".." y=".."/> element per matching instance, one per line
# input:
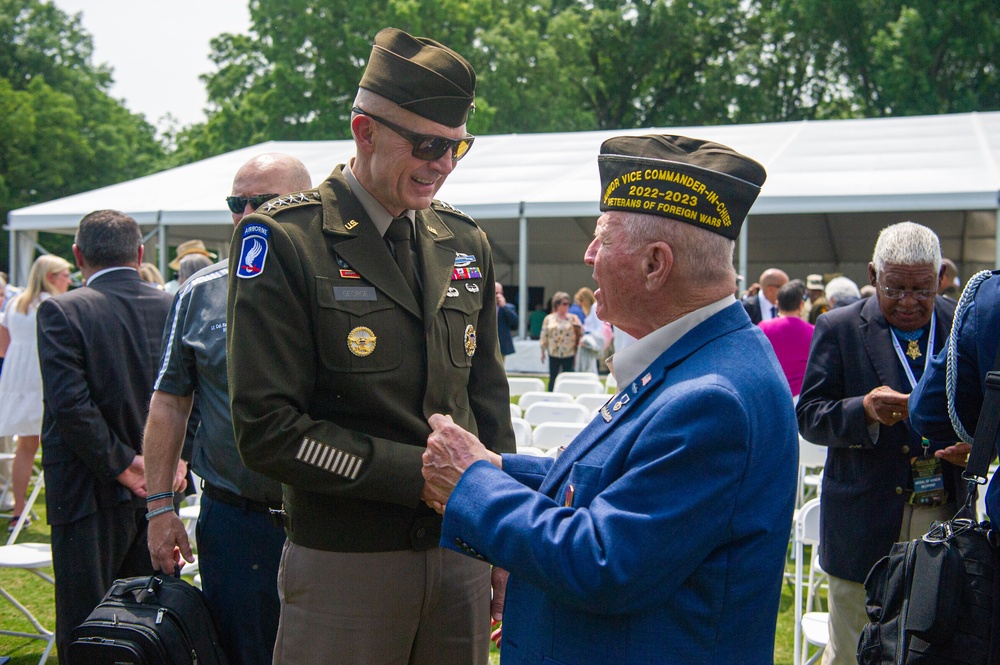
<point x="927" y="356"/>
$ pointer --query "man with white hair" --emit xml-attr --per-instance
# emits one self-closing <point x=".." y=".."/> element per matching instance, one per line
<point x="841" y="291"/>
<point x="659" y="534"/>
<point x="881" y="483"/>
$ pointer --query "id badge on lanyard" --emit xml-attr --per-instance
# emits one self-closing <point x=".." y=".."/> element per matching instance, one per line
<point x="928" y="477"/>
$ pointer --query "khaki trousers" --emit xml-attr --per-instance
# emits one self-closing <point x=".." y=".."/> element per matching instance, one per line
<point x="382" y="608"/>
<point x="847" y="599"/>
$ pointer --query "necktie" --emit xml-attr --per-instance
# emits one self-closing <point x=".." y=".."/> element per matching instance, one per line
<point x="774" y="312"/>
<point x="400" y="233"/>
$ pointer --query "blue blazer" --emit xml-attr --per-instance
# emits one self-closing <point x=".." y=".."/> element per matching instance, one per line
<point x="659" y="535"/>
<point x="978" y="336"/>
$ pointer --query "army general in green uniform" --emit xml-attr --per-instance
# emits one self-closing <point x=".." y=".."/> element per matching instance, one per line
<point x="355" y="312"/>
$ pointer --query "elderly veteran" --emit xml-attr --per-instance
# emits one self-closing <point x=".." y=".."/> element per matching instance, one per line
<point x="356" y="310"/>
<point x="659" y="534"/>
<point x="882" y="483"/>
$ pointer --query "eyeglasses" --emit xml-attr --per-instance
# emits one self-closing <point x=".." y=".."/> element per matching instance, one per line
<point x="239" y="203"/>
<point x="426" y="146"/>
<point x="899" y="294"/>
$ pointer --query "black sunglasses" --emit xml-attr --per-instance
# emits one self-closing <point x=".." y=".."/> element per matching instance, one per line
<point x="239" y="203"/>
<point x="426" y="146"/>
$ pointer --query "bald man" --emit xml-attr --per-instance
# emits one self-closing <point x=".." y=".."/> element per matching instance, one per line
<point x="764" y="305"/>
<point x="239" y="547"/>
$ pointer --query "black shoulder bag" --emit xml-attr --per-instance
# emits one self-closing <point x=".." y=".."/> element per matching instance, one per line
<point x="934" y="600"/>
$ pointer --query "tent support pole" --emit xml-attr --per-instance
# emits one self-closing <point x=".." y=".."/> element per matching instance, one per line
<point x="13" y="258"/>
<point x="996" y="239"/>
<point x="522" y="274"/>
<point x="161" y="244"/>
<point x="742" y="251"/>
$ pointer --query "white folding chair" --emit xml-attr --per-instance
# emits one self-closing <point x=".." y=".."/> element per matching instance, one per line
<point x="811" y="457"/>
<point x="522" y="384"/>
<point x="189" y="511"/>
<point x="573" y="376"/>
<point x="981" y="497"/>
<point x="551" y="435"/>
<point x="592" y="401"/>
<point x="579" y="386"/>
<point x="532" y="396"/>
<point x="515" y="411"/>
<point x="610" y="383"/>
<point x="530" y="450"/>
<point x="522" y="432"/>
<point x="32" y="557"/>
<point x="556" y="412"/>
<point x="811" y="627"/>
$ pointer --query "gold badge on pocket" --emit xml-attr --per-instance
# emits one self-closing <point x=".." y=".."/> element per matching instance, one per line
<point x="361" y="341"/>
<point x="470" y="340"/>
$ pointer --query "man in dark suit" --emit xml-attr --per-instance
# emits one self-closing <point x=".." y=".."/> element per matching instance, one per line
<point x="881" y="483"/>
<point x="764" y="305"/>
<point x="98" y="348"/>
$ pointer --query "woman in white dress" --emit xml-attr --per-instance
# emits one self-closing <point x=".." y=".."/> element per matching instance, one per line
<point x="21" y="379"/>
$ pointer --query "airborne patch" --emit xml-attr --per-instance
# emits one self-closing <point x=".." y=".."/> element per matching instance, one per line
<point x="253" y="251"/>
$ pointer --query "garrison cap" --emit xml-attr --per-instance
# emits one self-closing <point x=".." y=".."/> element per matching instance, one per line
<point x="699" y="182"/>
<point x="422" y="76"/>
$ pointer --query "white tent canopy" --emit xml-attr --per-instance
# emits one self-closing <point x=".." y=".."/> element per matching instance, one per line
<point x="831" y="186"/>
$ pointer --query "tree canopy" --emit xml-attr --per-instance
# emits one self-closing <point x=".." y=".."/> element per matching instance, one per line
<point x="60" y="131"/>
<point x="542" y="65"/>
<point x="566" y="65"/>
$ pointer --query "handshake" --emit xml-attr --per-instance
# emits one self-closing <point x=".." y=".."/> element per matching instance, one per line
<point x="450" y="451"/>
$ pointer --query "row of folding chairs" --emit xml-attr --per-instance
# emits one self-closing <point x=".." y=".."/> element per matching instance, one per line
<point x="574" y="383"/>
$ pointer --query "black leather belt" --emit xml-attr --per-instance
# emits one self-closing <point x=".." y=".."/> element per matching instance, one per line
<point x="231" y="499"/>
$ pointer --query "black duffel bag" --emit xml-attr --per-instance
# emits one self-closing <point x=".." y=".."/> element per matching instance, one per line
<point x="932" y="601"/>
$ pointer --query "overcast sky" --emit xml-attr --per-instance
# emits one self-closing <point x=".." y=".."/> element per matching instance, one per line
<point x="158" y="49"/>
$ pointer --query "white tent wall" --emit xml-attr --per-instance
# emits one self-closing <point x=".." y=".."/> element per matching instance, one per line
<point x="831" y="186"/>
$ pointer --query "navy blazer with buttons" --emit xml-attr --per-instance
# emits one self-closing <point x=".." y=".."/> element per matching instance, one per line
<point x="865" y="484"/>
<point x="659" y="535"/>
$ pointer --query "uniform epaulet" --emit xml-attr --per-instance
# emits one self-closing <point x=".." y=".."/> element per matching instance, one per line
<point x="288" y="201"/>
<point x="441" y="206"/>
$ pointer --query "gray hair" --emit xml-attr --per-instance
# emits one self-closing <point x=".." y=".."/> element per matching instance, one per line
<point x="191" y="264"/>
<point x="907" y="244"/>
<point x="840" y="288"/>
<point x="704" y="256"/>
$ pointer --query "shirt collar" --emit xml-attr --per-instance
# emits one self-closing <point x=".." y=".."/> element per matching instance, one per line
<point x="376" y="211"/>
<point x="107" y="270"/>
<point x="626" y="365"/>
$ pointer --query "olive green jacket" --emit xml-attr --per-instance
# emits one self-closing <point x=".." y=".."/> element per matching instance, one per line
<point x="334" y="369"/>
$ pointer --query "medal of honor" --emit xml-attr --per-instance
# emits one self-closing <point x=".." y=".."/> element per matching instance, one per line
<point x="913" y="349"/>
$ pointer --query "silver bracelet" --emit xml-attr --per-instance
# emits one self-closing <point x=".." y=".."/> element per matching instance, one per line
<point x="159" y="511"/>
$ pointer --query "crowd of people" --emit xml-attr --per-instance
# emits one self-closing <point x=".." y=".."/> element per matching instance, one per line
<point x="343" y="374"/>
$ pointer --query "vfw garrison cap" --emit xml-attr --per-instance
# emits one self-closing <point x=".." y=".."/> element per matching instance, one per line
<point x="699" y="182"/>
<point x="422" y="76"/>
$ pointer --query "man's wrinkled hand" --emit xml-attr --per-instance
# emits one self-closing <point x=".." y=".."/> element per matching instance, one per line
<point x="450" y="451"/>
<point x="886" y="406"/>
<point x="957" y="454"/>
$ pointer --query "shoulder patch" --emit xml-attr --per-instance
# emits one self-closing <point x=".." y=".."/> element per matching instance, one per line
<point x="442" y="206"/>
<point x="253" y="251"/>
<point x="289" y="201"/>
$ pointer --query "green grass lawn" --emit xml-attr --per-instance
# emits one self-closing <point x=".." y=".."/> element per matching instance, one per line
<point x="37" y="595"/>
